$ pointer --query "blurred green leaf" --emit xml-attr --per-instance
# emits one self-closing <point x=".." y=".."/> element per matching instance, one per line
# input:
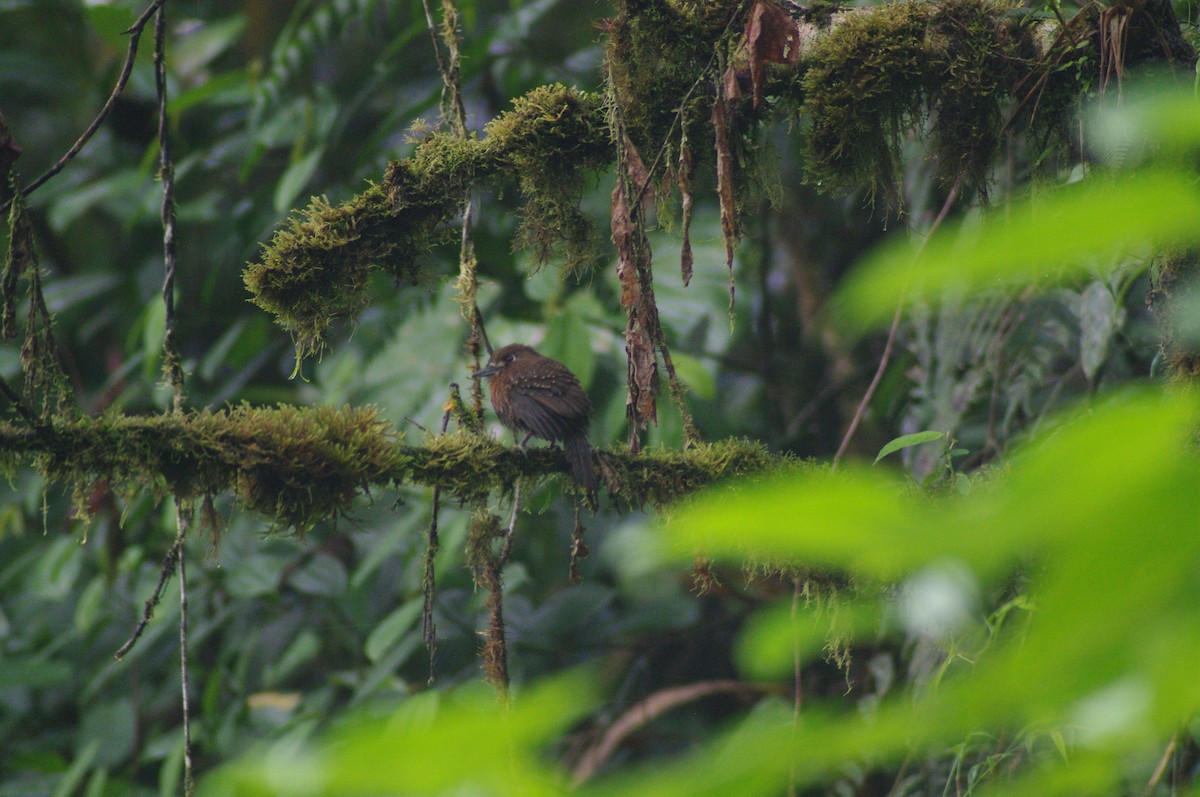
<point x="295" y="179"/>
<point x="469" y="742"/>
<point x="1048" y="237"/>
<point x="908" y="441"/>
<point x="394" y="626"/>
<point x="569" y="340"/>
<point x="33" y="672"/>
<point x="75" y="774"/>
<point x="695" y="375"/>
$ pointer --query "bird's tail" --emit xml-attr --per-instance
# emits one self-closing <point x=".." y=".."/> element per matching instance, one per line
<point x="579" y="456"/>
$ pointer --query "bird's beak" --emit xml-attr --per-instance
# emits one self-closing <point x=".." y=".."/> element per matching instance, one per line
<point x="491" y="370"/>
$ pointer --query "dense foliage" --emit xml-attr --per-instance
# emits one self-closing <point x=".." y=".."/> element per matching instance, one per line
<point x="1008" y="601"/>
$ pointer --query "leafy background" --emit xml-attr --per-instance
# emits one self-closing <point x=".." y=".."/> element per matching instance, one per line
<point x="272" y="103"/>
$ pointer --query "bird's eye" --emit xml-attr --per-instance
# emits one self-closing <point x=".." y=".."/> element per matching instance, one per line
<point x="509" y="358"/>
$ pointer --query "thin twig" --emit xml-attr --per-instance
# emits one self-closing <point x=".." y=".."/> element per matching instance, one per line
<point x="579" y="549"/>
<point x="429" y="574"/>
<point x="510" y="532"/>
<point x="1162" y="767"/>
<point x="164" y="573"/>
<point x="647" y="711"/>
<point x="183" y="519"/>
<point x="135" y="33"/>
<point x="171" y="359"/>
<point x="24" y="410"/>
<point x="891" y="337"/>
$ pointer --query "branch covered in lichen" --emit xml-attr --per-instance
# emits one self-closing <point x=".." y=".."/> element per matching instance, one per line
<point x="316" y="268"/>
<point x="298" y="466"/>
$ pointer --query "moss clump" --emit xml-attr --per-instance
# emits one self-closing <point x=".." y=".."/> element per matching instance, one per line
<point x="659" y="476"/>
<point x="549" y="141"/>
<point x="295" y="465"/>
<point x="972" y="53"/>
<point x="656" y="51"/>
<point x="877" y="71"/>
<point x="863" y="88"/>
<point x="316" y="268"/>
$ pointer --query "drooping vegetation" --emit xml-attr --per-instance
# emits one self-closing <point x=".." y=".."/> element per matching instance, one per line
<point x="819" y="593"/>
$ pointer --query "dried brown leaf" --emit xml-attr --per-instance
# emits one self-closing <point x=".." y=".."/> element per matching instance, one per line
<point x="637" y="297"/>
<point x="724" y="177"/>
<point x="771" y="37"/>
<point x="686" y="259"/>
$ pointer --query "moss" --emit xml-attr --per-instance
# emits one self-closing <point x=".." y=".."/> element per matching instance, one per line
<point x="1173" y="275"/>
<point x="658" y="476"/>
<point x="294" y="465"/>
<point x="864" y="86"/>
<point x="317" y="266"/>
<point x="1063" y="66"/>
<point x="656" y="51"/>
<point x="974" y="67"/>
<point x="298" y="466"/>
<point x="880" y="70"/>
<point x="550" y="140"/>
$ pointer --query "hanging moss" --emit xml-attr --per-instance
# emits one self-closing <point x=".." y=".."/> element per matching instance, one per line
<point x="656" y="51"/>
<point x="973" y="63"/>
<point x="879" y="70"/>
<point x="551" y="139"/>
<point x="863" y="88"/>
<point x="317" y="266"/>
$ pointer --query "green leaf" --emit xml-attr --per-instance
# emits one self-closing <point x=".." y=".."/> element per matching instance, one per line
<point x="154" y="327"/>
<point x="393" y="627"/>
<point x="908" y="441"/>
<point x="35" y="672"/>
<point x="295" y="179"/>
<point x="695" y="375"/>
<point x="569" y="340"/>
<point x="1099" y="320"/>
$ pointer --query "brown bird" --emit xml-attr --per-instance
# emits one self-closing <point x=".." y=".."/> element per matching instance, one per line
<point x="542" y="398"/>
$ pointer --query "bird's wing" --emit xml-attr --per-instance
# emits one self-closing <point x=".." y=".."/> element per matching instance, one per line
<point x="553" y="408"/>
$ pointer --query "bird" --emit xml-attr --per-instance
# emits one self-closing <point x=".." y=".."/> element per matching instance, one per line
<point x="540" y="396"/>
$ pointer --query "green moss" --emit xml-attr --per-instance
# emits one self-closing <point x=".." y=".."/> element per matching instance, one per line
<point x="656" y="51"/>
<point x="879" y="70"/>
<point x="658" y="476"/>
<point x="550" y="140"/>
<point x="294" y="465"/>
<point x="317" y="266"/>
<point x="863" y="88"/>
<point x="973" y="55"/>
<point x="298" y="465"/>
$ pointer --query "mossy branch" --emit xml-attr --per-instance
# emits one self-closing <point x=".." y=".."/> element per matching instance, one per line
<point x="860" y="79"/>
<point x="298" y="466"/>
<point x="316" y="268"/>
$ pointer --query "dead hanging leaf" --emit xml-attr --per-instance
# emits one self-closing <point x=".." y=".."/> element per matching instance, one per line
<point x="771" y="37"/>
<point x="731" y="84"/>
<point x="725" y="183"/>
<point x="638" y="174"/>
<point x="686" y="260"/>
<point x="637" y="297"/>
